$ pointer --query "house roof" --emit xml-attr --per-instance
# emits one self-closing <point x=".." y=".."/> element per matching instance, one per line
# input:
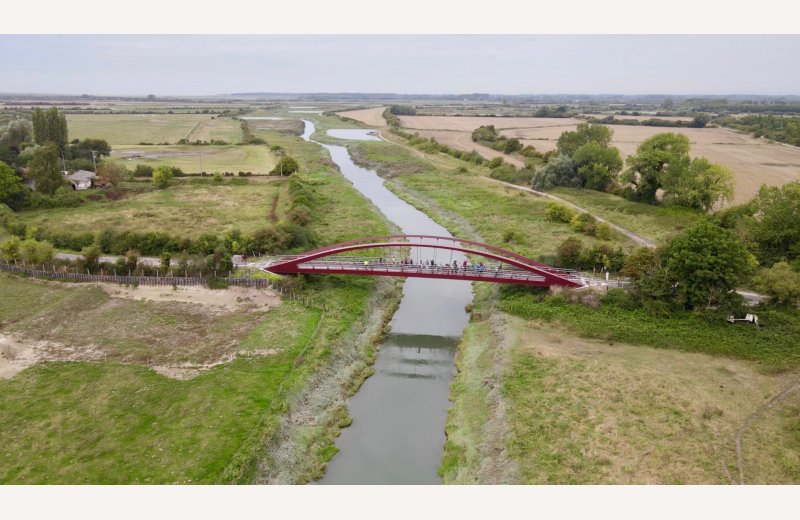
<point x="81" y="175"/>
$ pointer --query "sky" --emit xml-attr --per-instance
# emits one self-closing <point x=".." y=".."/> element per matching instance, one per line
<point x="419" y="64"/>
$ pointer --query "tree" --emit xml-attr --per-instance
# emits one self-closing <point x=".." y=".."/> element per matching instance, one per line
<point x="775" y="224"/>
<point x="44" y="169"/>
<point x="699" y="186"/>
<point x="699" y="121"/>
<point x="50" y="126"/>
<point x="91" y="257"/>
<point x="112" y="173"/>
<point x="162" y="176"/>
<point x="781" y="283"/>
<point x="484" y="133"/>
<point x="10" y="183"/>
<point x="570" y="252"/>
<point x="660" y="156"/>
<point x="286" y="166"/>
<point x="12" y="135"/>
<point x="569" y="142"/>
<point x="597" y="165"/>
<point x="708" y="263"/>
<point x="512" y="145"/>
<point x="559" y="171"/>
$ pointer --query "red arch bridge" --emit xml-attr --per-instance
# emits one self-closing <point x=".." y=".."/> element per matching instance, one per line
<point x="426" y="256"/>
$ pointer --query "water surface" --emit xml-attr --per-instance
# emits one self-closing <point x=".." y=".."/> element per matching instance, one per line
<point x="399" y="414"/>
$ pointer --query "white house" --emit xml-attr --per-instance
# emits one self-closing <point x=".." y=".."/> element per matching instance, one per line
<point x="81" y="179"/>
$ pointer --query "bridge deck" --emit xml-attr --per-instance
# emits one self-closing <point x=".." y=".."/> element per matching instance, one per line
<point x="470" y="273"/>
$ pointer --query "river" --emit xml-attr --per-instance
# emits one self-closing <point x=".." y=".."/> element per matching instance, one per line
<point x="399" y="414"/>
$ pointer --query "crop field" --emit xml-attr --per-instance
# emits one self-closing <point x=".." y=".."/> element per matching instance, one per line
<point x="218" y="129"/>
<point x="143" y="128"/>
<point x="753" y="161"/>
<point x="368" y="116"/>
<point x="257" y="159"/>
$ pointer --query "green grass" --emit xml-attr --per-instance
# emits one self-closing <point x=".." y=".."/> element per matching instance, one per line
<point x="502" y="216"/>
<point x="134" y="128"/>
<point x="657" y="223"/>
<point x="190" y="208"/>
<point x="773" y="345"/>
<point x="257" y="159"/>
<point x="112" y="423"/>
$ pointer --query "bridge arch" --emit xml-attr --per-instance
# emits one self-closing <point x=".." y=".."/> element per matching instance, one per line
<point x="524" y="270"/>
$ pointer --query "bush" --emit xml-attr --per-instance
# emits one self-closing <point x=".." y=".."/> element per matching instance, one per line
<point x="570" y="253"/>
<point x="91" y="257"/>
<point x="584" y="223"/>
<point x="36" y="252"/>
<point x="781" y="283"/>
<point x="10" y="249"/>
<point x="162" y="176"/>
<point x="286" y="166"/>
<point x="556" y="212"/>
<point x="495" y="163"/>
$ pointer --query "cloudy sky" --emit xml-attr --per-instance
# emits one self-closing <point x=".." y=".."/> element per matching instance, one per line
<point x="200" y="65"/>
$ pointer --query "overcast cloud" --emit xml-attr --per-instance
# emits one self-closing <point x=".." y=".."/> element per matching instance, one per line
<point x="202" y="65"/>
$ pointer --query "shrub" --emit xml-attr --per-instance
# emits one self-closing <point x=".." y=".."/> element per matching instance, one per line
<point x="781" y="283"/>
<point x="569" y="252"/>
<point x="91" y="257"/>
<point x="556" y="212"/>
<point x="584" y="223"/>
<point x="495" y="163"/>
<point x="286" y="166"/>
<point x="10" y="249"/>
<point x="162" y="176"/>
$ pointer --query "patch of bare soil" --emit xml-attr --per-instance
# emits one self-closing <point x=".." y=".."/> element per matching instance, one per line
<point x="17" y="354"/>
<point x="368" y="116"/>
<point x="222" y="301"/>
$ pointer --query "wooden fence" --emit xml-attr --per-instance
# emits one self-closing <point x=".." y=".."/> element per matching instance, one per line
<point x="132" y="280"/>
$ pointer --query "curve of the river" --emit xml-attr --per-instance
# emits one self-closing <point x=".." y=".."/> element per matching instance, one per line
<point x="399" y="414"/>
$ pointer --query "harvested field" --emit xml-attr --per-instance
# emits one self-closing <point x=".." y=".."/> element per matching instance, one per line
<point x="753" y="161"/>
<point x="368" y="116"/>
<point x="218" y="129"/>
<point x="468" y="124"/>
<point x="135" y="128"/>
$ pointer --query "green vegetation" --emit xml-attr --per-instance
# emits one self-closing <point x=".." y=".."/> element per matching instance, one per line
<point x="49" y="126"/>
<point x="403" y="110"/>
<point x="662" y="162"/>
<point x="501" y="216"/>
<point x="132" y="129"/>
<point x="656" y="223"/>
<point x="773" y="345"/>
<point x="286" y="166"/>
<point x="256" y="159"/>
<point x="162" y="177"/>
<point x="784" y="129"/>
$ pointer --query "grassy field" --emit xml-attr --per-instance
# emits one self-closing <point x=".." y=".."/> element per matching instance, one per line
<point x="501" y="216"/>
<point x="121" y="129"/>
<point x="657" y="223"/>
<point x="194" y="206"/>
<point x="117" y="421"/>
<point x="189" y="208"/>
<point x="113" y="423"/>
<point x="535" y="402"/>
<point x="254" y="158"/>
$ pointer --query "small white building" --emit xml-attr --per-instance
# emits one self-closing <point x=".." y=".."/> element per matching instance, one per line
<point x="81" y="179"/>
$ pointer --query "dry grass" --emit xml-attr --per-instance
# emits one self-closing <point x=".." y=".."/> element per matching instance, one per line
<point x="134" y="128"/>
<point x="368" y="116"/>
<point x="220" y="128"/>
<point x="593" y="412"/>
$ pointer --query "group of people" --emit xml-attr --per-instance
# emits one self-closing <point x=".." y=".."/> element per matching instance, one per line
<point x="464" y="266"/>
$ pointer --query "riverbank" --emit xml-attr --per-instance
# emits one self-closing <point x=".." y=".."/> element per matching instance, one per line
<point x="534" y="402"/>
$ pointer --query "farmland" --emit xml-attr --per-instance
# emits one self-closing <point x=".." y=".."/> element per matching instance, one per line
<point x="257" y="159"/>
<point x="752" y="161"/>
<point x="130" y="129"/>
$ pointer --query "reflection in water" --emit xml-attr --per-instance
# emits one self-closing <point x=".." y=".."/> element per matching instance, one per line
<point x="397" y="435"/>
<point x="398" y="415"/>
